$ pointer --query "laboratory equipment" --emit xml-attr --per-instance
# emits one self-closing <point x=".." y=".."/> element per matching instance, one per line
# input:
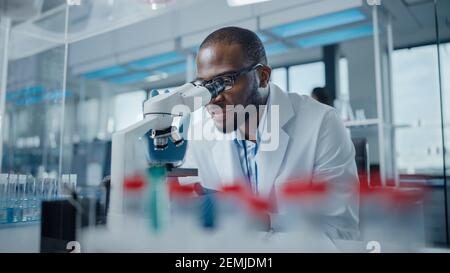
<point x="158" y="197"/>
<point x="184" y="205"/>
<point x="3" y="197"/>
<point x="163" y="126"/>
<point x="65" y="216"/>
<point x="31" y="206"/>
<point x="21" y="195"/>
<point x="12" y="198"/>
<point x="134" y="191"/>
<point x="190" y="209"/>
<point x="21" y="199"/>
<point x="393" y="216"/>
<point x="301" y="215"/>
<point x="58" y="225"/>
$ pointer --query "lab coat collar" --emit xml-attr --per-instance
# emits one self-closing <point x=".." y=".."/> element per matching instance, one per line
<point x="274" y="139"/>
<point x="279" y="104"/>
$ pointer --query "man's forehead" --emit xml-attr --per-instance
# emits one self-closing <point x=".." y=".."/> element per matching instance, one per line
<point x="216" y="59"/>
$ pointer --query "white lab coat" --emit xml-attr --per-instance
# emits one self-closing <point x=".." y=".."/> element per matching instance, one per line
<point x="311" y="143"/>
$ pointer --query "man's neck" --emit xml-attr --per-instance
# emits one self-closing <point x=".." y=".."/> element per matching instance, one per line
<point x="250" y="127"/>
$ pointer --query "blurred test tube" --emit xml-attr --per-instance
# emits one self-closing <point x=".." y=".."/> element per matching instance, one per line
<point x="12" y="198"/>
<point x="64" y="187"/>
<point x="21" y="199"/>
<point x="393" y="216"/>
<point x="39" y="196"/>
<point x="31" y="206"/>
<point x="301" y="216"/>
<point x="73" y="181"/>
<point x="158" y="203"/>
<point x="183" y="206"/>
<point x="231" y="214"/>
<point x="184" y="216"/>
<point x="3" y="197"/>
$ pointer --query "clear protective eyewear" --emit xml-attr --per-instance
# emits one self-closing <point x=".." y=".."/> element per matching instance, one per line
<point x="226" y="82"/>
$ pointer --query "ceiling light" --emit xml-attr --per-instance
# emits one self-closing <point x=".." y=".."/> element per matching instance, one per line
<point x="237" y="3"/>
<point x="157" y="4"/>
<point x="157" y="77"/>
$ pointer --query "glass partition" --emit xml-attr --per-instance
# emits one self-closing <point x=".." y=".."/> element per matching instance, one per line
<point x="34" y="99"/>
<point x="417" y="112"/>
<point x="110" y="70"/>
<point x="32" y="110"/>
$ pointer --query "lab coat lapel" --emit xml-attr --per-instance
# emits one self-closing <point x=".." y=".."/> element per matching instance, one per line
<point x="226" y="160"/>
<point x="270" y="156"/>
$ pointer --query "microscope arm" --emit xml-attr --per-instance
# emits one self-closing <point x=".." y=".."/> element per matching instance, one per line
<point x="124" y="159"/>
<point x="159" y="113"/>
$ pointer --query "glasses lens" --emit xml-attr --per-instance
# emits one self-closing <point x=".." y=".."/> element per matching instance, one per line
<point x="228" y="83"/>
<point x="215" y="87"/>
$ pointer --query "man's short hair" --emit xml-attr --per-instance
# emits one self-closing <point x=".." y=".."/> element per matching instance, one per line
<point x="250" y="43"/>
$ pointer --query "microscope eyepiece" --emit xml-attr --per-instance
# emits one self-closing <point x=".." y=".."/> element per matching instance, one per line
<point x="215" y="87"/>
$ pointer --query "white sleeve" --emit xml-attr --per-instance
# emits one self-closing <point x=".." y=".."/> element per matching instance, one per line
<point x="189" y="163"/>
<point x="335" y="164"/>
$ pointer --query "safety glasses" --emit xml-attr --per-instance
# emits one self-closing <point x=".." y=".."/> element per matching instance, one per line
<point x="225" y="82"/>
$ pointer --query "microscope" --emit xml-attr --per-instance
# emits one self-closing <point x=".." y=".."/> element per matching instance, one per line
<point x="161" y="132"/>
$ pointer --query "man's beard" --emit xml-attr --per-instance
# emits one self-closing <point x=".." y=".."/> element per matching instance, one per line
<point x="239" y="118"/>
<point x="237" y="122"/>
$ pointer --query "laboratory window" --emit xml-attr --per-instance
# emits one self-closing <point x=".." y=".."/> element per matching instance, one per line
<point x="279" y="77"/>
<point x="416" y="118"/>
<point x="305" y="77"/>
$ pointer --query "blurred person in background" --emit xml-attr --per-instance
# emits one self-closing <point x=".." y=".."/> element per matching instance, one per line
<point x="320" y="94"/>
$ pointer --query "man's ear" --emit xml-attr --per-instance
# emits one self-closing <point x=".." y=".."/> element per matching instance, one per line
<point x="264" y="76"/>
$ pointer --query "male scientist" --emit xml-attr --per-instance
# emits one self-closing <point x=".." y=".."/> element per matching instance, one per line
<point x="257" y="133"/>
